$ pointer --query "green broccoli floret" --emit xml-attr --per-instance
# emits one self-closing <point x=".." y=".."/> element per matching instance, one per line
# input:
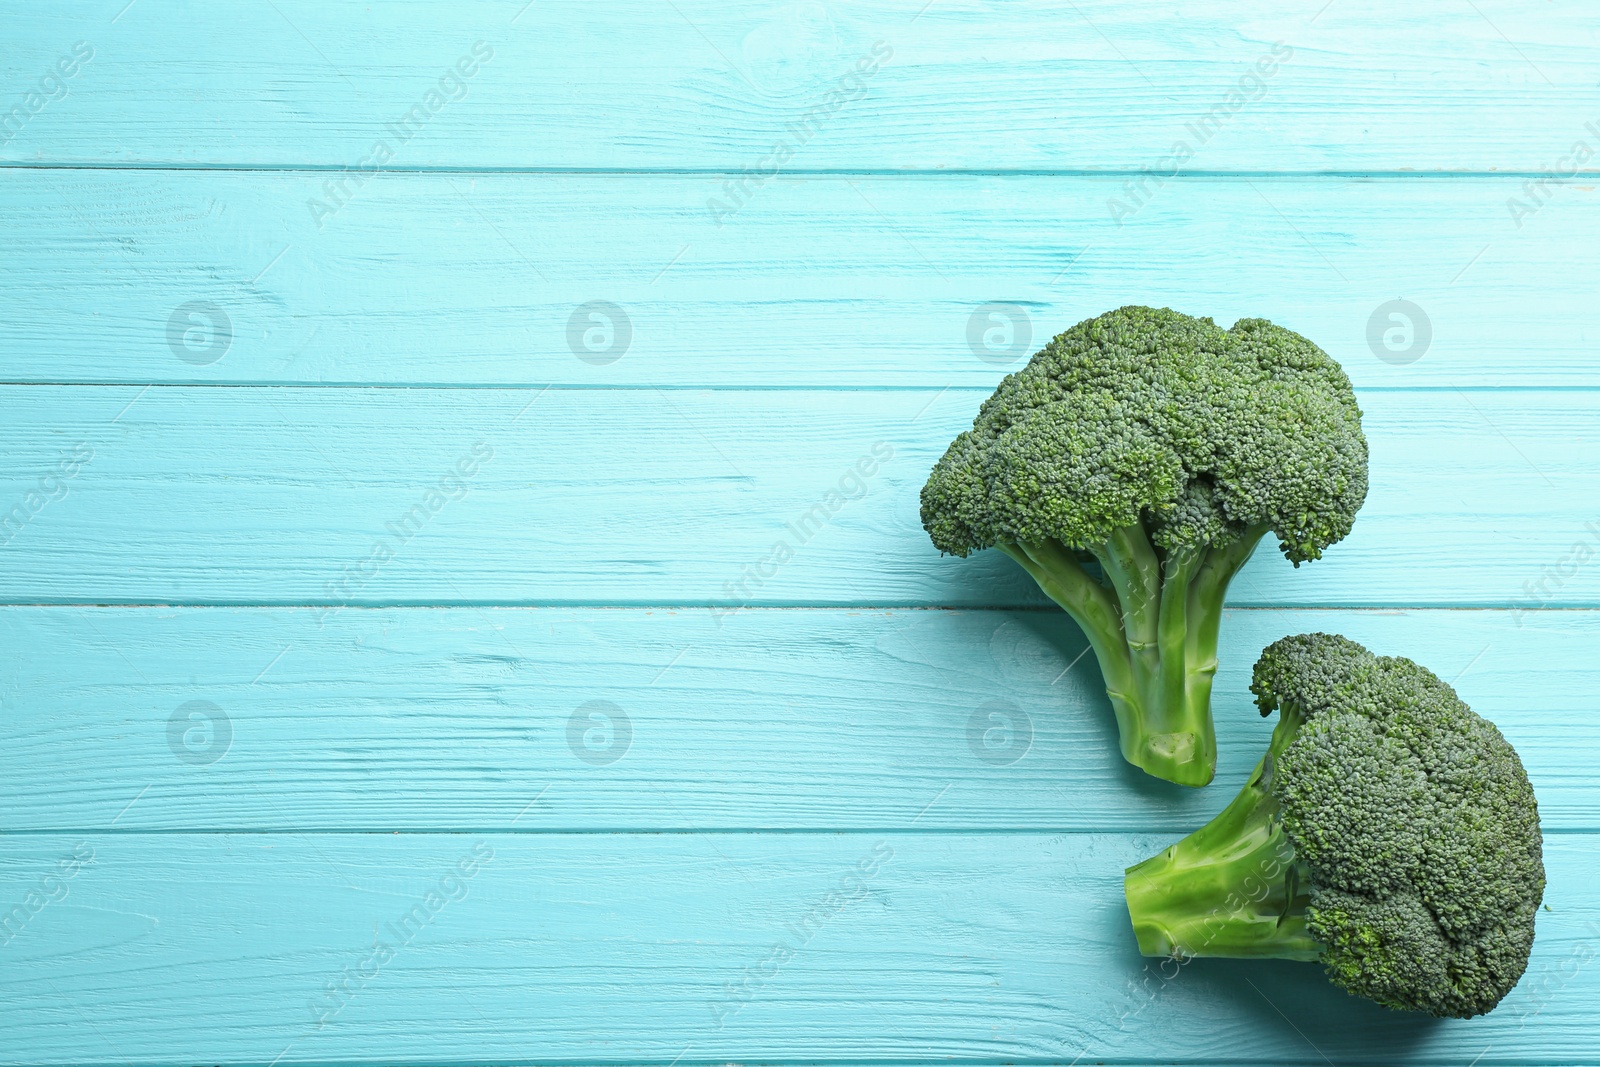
<point x="1131" y="467"/>
<point x="1389" y="832"/>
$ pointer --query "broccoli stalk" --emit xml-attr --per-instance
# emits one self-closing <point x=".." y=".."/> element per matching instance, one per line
<point x="1232" y="888"/>
<point x="1131" y="468"/>
<point x="1389" y="832"/>
<point x="1154" y="633"/>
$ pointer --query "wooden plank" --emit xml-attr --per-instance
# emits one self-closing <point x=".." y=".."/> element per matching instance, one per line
<point x="821" y="280"/>
<point x="639" y="948"/>
<point x="1104" y="84"/>
<point x="650" y="497"/>
<point x="452" y="719"/>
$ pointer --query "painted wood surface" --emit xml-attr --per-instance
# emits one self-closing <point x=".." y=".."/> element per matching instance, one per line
<point x="358" y="513"/>
<point x="457" y="718"/>
<point x="864" y="947"/>
<point x="642" y="497"/>
<point x="864" y="280"/>
<point x="1493" y="85"/>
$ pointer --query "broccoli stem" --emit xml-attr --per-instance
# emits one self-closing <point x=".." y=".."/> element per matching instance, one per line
<point x="1232" y="888"/>
<point x="1209" y="587"/>
<point x="1091" y="606"/>
<point x="1153" y="628"/>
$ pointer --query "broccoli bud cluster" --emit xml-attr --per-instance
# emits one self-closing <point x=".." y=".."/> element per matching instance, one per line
<point x="1148" y="416"/>
<point x="1416" y="823"/>
<point x="1389" y="831"/>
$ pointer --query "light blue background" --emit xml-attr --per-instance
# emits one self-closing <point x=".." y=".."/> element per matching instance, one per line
<point x="464" y="600"/>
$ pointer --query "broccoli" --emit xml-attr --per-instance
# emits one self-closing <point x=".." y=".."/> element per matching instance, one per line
<point x="1130" y="468"/>
<point x="1389" y="832"/>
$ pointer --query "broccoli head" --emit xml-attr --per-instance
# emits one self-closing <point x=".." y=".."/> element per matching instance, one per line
<point x="1389" y="832"/>
<point x="1131" y="468"/>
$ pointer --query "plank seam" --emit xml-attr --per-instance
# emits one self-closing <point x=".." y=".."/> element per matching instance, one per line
<point x="851" y="172"/>
<point x="646" y="387"/>
<point x="570" y="605"/>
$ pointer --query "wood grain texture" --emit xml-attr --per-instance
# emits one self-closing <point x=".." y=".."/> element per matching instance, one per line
<point x="859" y="281"/>
<point x="452" y="719"/>
<point x="1097" y="84"/>
<point x="644" y="947"/>
<point x="642" y="497"/>
<point x="505" y="601"/>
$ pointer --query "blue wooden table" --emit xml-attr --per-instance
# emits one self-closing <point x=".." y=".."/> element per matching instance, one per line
<point x="463" y="594"/>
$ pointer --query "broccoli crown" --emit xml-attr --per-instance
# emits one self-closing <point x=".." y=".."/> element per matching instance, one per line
<point x="1415" y="820"/>
<point x="1145" y="414"/>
